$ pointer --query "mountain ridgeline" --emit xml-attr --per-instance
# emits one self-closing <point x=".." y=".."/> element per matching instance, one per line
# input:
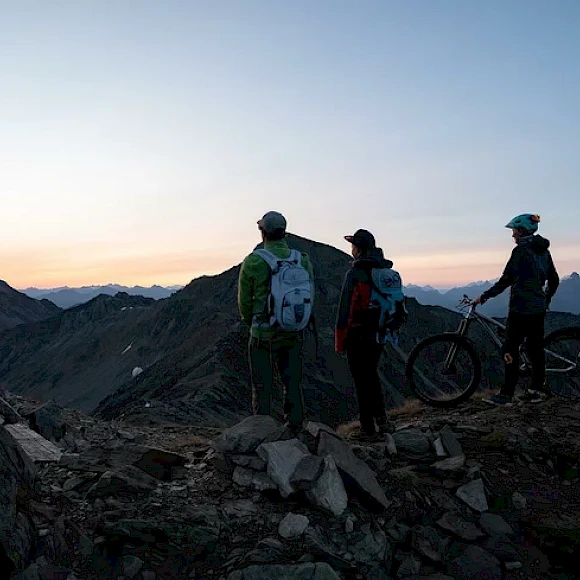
<point x="192" y="348"/>
<point x="18" y="308"/>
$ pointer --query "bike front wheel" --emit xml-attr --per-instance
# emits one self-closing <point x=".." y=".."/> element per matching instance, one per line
<point x="443" y="370"/>
<point x="562" y="348"/>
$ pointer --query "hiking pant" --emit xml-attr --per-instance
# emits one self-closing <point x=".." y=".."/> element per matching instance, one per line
<point x="530" y="327"/>
<point x="363" y="355"/>
<point x="285" y="355"/>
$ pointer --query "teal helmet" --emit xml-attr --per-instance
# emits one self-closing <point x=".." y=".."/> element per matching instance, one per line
<point x="526" y="221"/>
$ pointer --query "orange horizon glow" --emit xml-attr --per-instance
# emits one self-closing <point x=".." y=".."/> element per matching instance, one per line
<point x="52" y="268"/>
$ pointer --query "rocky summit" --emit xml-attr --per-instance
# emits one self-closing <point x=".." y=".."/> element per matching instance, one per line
<point x="474" y="493"/>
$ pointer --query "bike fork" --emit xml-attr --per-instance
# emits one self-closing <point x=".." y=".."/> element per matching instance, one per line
<point x="452" y="354"/>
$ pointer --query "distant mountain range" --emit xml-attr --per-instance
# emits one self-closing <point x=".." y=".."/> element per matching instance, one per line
<point x="567" y="299"/>
<point x="66" y="297"/>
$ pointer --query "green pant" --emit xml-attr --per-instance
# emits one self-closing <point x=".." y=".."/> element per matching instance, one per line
<point x="286" y="355"/>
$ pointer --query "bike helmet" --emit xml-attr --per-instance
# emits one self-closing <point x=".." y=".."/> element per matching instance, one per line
<point x="526" y="221"/>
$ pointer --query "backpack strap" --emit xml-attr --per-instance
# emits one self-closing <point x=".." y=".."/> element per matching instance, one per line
<point x="274" y="261"/>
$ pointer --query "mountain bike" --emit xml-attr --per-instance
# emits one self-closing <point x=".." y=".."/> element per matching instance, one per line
<point x="445" y="369"/>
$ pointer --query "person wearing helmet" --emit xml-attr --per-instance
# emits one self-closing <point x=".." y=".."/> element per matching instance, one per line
<point x="528" y="270"/>
<point x="355" y="336"/>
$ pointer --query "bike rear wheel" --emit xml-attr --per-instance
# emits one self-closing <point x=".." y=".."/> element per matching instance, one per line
<point x="562" y="348"/>
<point x="443" y="370"/>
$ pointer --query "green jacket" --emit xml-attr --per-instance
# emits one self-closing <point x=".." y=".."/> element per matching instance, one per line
<point x="254" y="287"/>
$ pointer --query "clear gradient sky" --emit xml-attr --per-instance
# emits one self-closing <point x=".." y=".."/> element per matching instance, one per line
<point x="141" y="140"/>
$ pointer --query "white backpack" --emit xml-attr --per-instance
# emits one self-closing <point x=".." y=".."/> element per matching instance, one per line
<point x="290" y="299"/>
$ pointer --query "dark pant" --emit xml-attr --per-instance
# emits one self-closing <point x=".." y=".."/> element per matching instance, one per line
<point x="363" y="356"/>
<point x="531" y="328"/>
<point x="286" y="355"/>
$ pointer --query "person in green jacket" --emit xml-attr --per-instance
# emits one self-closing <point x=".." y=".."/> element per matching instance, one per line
<point x="270" y="346"/>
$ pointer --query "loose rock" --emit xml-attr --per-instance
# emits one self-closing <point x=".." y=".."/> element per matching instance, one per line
<point x="473" y="494"/>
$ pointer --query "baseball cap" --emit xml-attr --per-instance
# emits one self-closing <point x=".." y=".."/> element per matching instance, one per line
<point x="272" y="221"/>
<point x="362" y="239"/>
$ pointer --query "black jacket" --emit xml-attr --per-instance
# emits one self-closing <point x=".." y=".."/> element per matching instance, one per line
<point x="356" y="291"/>
<point x="527" y="271"/>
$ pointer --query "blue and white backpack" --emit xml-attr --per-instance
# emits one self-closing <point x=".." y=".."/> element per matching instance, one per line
<point x="387" y="294"/>
<point x="290" y="298"/>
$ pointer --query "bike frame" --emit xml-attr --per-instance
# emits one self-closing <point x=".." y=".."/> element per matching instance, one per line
<point x="488" y="324"/>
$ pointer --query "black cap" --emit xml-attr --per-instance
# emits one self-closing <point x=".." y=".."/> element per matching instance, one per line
<point x="362" y="239"/>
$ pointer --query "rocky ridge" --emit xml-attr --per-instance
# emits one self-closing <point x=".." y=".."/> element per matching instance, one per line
<point x="472" y="493"/>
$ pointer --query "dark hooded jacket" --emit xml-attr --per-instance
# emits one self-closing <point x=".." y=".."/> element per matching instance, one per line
<point x="355" y="296"/>
<point x="527" y="271"/>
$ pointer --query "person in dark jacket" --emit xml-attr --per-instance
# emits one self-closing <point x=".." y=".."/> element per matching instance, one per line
<point x="355" y="335"/>
<point x="532" y="276"/>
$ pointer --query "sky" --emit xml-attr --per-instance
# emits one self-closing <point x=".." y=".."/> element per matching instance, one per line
<point x="141" y="140"/>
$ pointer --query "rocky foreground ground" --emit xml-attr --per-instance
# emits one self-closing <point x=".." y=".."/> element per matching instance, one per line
<point x="476" y="493"/>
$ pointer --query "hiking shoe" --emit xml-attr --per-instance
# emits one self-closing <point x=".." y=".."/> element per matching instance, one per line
<point x="499" y="401"/>
<point x="532" y="396"/>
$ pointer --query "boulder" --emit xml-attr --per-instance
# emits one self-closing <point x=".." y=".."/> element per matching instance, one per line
<point x="282" y="458"/>
<point x="476" y="564"/>
<point x="17" y="477"/>
<point x="293" y="526"/>
<point x="358" y="471"/>
<point x="328" y="491"/>
<point x="247" y="435"/>
<point x="473" y="494"/>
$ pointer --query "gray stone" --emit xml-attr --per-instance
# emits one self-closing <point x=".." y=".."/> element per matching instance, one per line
<point x="439" y="449"/>
<point x="247" y="435"/>
<point x="9" y="413"/>
<point x="494" y="525"/>
<point x="377" y="574"/>
<point x="410" y="566"/>
<point x="47" y="421"/>
<point x="250" y="461"/>
<point x="328" y="492"/>
<point x="353" y="467"/>
<point x="308" y="471"/>
<point x="445" y="467"/>
<point x="476" y="564"/>
<point x="315" y="429"/>
<point x="473" y="494"/>
<point x="86" y="546"/>
<point x="131" y="566"/>
<point x="308" y="571"/>
<point x="242" y="508"/>
<point x="267" y="551"/>
<point x="293" y="526"/>
<point x="390" y="444"/>
<point x="459" y="527"/>
<point x="398" y="532"/>
<point x="256" y="480"/>
<point x="519" y="501"/>
<point x="349" y="525"/>
<point x="125" y="481"/>
<point x="371" y="545"/>
<point x="322" y="543"/>
<point x="429" y="543"/>
<point x="413" y="443"/>
<point x="282" y="458"/>
<point x="17" y="479"/>
<point x="502" y="549"/>
<point x="450" y="442"/>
